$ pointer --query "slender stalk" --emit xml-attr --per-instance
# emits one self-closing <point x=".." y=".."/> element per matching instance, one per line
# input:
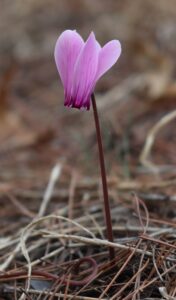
<point x="104" y="180"/>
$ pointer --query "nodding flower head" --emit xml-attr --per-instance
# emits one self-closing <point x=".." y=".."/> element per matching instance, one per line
<point x="80" y="65"/>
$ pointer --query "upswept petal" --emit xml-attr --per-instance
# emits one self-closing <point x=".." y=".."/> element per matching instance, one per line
<point x="85" y="71"/>
<point x="108" y="56"/>
<point x="67" y="49"/>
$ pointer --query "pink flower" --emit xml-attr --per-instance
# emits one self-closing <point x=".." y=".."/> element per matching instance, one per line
<point x="80" y="65"/>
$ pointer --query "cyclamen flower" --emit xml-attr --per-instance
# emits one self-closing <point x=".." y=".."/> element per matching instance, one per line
<point x="81" y="64"/>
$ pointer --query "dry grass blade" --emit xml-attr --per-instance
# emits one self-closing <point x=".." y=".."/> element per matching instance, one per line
<point x="55" y="174"/>
<point x="59" y="295"/>
<point x="164" y="293"/>
<point x="151" y="138"/>
<point x="119" y="271"/>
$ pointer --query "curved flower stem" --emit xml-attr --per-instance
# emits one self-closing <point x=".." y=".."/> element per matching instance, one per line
<point x="104" y="180"/>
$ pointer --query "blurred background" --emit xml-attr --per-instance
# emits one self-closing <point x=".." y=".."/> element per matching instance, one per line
<point x="36" y="130"/>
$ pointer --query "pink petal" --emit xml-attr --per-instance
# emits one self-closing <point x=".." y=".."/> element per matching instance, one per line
<point x="108" y="56"/>
<point x="85" y="71"/>
<point x="67" y="49"/>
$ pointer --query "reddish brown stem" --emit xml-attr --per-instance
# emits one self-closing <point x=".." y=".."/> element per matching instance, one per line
<point x="104" y="180"/>
<point x="50" y="276"/>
